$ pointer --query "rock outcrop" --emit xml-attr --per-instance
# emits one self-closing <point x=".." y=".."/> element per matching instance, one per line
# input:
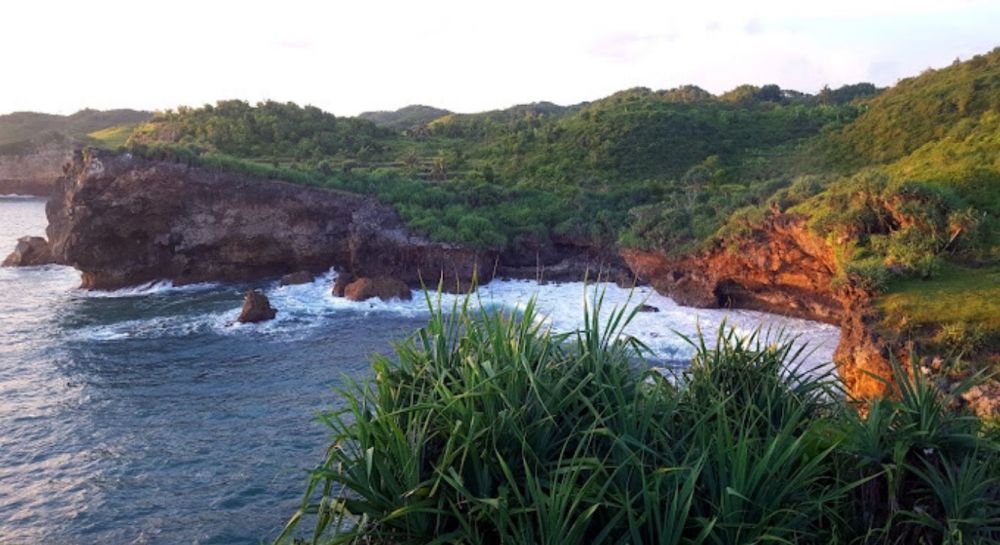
<point x="382" y="287"/>
<point x="33" y="167"/>
<point x="29" y="252"/>
<point x="341" y="282"/>
<point x="780" y="267"/>
<point x="296" y="278"/>
<point x="564" y="259"/>
<point x="256" y="308"/>
<point x="122" y="220"/>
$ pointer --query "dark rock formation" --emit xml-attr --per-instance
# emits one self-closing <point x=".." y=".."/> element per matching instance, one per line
<point x="29" y="252"/>
<point x="256" y="308"/>
<point x="648" y="308"/>
<point x="565" y="260"/>
<point x="340" y="283"/>
<point x="123" y="221"/>
<point x="295" y="278"/>
<point x="383" y="287"/>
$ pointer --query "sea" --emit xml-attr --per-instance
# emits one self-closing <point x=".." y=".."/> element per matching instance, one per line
<point x="149" y="416"/>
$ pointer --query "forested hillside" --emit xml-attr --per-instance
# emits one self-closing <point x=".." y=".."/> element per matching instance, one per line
<point x="408" y="117"/>
<point x="522" y="175"/>
<point x="658" y="169"/>
<point x="24" y="126"/>
<point x="906" y="181"/>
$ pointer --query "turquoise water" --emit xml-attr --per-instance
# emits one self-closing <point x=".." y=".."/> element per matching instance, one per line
<point x="147" y="416"/>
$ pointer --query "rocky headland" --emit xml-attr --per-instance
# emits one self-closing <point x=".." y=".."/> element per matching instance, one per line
<point x="123" y="220"/>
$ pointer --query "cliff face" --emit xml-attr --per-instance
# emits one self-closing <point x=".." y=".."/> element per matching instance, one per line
<point x="783" y="268"/>
<point x="34" y="171"/>
<point x="122" y="221"/>
<point x="778" y="267"/>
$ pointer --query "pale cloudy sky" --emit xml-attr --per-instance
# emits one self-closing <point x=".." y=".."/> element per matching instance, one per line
<point x="347" y="57"/>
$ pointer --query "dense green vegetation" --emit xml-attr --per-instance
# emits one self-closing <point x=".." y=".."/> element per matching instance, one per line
<point x="905" y="182"/>
<point x="408" y="117"/>
<point x="20" y="127"/>
<point x="271" y="130"/>
<point x="533" y="172"/>
<point x="489" y="429"/>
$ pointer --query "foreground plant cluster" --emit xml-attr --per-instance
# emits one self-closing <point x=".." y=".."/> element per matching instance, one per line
<point x="488" y="428"/>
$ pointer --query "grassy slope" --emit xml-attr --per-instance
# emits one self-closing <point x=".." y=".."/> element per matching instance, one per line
<point x="112" y="137"/>
<point x="941" y="131"/>
<point x="530" y="172"/>
<point x="957" y="311"/>
<point x="24" y="126"/>
<point x="407" y="117"/>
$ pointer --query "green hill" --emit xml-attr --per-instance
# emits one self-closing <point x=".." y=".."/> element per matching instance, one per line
<point x="408" y="117"/>
<point x="923" y="109"/>
<point x="658" y="169"/>
<point x="23" y="126"/>
<point x="906" y="179"/>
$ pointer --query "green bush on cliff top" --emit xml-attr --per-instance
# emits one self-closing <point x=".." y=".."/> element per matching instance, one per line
<point x="489" y="429"/>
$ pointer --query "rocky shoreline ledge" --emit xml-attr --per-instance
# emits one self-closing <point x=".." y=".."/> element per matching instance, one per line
<point x="123" y="221"/>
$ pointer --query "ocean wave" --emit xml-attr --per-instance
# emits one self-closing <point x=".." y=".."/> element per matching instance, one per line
<point x="19" y="197"/>
<point x="304" y="307"/>
<point x="149" y="288"/>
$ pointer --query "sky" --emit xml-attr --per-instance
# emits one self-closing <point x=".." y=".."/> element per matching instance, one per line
<point x="352" y="56"/>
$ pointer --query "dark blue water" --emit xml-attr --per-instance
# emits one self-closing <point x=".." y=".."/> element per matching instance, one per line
<point x="148" y="416"/>
<point x="122" y="420"/>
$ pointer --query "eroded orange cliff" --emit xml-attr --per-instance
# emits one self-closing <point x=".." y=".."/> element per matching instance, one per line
<point x="782" y="267"/>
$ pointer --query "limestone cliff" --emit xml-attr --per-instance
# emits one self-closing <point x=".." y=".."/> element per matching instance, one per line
<point x="122" y="220"/>
<point x="32" y="169"/>
<point x="781" y="267"/>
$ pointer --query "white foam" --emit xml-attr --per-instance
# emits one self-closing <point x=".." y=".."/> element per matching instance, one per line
<point x="20" y="197"/>
<point x="563" y="305"/>
<point x="166" y="326"/>
<point x="306" y="306"/>
<point x="149" y="288"/>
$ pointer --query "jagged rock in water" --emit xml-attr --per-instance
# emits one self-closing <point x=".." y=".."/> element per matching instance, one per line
<point x="383" y="287"/>
<point x="256" y="308"/>
<point x="292" y="279"/>
<point x="340" y="283"/>
<point x="30" y="252"/>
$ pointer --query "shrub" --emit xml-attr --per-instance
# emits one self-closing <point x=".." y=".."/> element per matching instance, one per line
<point x="488" y="428"/>
<point x="869" y="274"/>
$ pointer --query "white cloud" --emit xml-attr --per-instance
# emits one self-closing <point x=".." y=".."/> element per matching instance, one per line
<point x="351" y="56"/>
